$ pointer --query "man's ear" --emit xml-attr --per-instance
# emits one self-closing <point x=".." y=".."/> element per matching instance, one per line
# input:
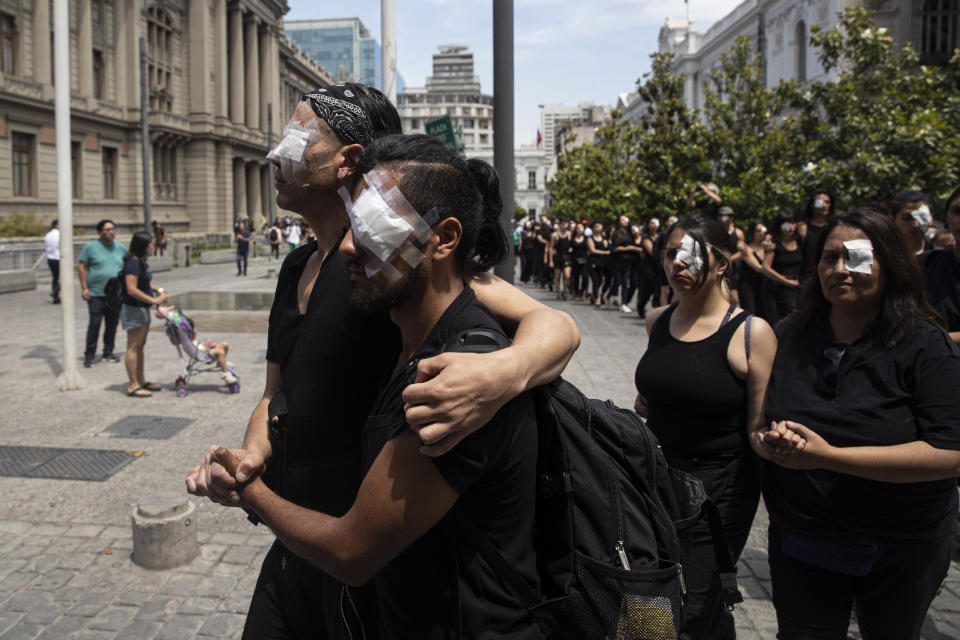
<point x="448" y="233"/>
<point x="351" y="158"/>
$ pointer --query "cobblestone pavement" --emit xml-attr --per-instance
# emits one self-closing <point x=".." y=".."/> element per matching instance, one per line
<point x="65" y="545"/>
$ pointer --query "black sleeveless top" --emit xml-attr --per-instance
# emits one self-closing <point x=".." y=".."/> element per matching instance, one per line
<point x="600" y="244"/>
<point x="748" y="276"/>
<point x="697" y="405"/>
<point x="579" y="250"/>
<point x="787" y="263"/>
<point x="563" y="246"/>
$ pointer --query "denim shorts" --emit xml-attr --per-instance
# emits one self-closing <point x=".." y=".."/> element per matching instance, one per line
<point x="132" y="317"/>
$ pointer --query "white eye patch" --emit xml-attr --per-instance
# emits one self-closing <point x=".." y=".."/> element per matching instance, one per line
<point x="922" y="215"/>
<point x="819" y="203"/>
<point x="859" y="256"/>
<point x="786" y="226"/>
<point x="383" y="223"/>
<point x="690" y="254"/>
<point x="291" y="151"/>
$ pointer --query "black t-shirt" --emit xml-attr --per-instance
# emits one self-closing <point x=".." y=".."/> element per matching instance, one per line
<point x="133" y="267"/>
<point x="884" y="396"/>
<point x="243" y="242"/>
<point x="493" y="470"/>
<point x="785" y="262"/>
<point x="622" y="238"/>
<point x="941" y="272"/>
<point x="331" y="360"/>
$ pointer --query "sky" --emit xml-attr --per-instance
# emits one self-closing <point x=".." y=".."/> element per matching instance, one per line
<point x="566" y="51"/>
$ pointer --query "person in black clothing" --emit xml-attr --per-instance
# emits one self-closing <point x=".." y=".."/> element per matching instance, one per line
<point x="562" y="259"/>
<point x="647" y="269"/>
<point x="705" y="198"/>
<point x="862" y="511"/>
<point x="912" y="213"/>
<point x="701" y="389"/>
<point x="526" y="252"/>
<point x="621" y="251"/>
<point x="751" y="273"/>
<point x="243" y="248"/>
<point x="578" y="259"/>
<point x="942" y="272"/>
<point x="543" y="251"/>
<point x="324" y="361"/>
<point x="819" y="213"/>
<point x="727" y="219"/>
<point x="401" y="531"/>
<point x="597" y="254"/>
<point x="138" y="295"/>
<point x="781" y="266"/>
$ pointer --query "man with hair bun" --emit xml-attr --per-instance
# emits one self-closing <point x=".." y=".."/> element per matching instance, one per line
<point x="326" y="358"/>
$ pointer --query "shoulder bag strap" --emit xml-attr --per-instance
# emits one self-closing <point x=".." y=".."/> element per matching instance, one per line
<point x="729" y="591"/>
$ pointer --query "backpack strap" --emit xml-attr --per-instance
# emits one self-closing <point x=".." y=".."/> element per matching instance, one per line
<point x="729" y="592"/>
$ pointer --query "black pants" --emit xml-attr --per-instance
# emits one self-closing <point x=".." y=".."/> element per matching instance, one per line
<point x="242" y="259"/>
<point x="295" y="600"/>
<point x="891" y="601"/>
<point x="97" y="307"/>
<point x="275" y="251"/>
<point x="648" y="290"/>
<point x="526" y="265"/>
<point x="620" y="270"/>
<point x="734" y="486"/>
<point x="579" y="277"/>
<point x="55" y="272"/>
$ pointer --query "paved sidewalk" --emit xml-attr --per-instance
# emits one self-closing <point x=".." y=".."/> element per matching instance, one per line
<point x="65" y="568"/>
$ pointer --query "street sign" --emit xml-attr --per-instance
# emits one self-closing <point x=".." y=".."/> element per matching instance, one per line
<point x="442" y="128"/>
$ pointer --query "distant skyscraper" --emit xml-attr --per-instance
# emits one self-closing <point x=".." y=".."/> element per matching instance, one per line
<point x="453" y="90"/>
<point x="342" y="46"/>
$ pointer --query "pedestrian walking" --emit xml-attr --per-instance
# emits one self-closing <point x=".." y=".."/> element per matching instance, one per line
<point x="781" y="268"/>
<point x="862" y="515"/>
<point x="751" y="273"/>
<point x="598" y="252"/>
<point x="292" y="235"/>
<point x="159" y="238"/>
<point x="700" y="385"/>
<point x="139" y="295"/>
<point x="100" y="260"/>
<point x="578" y="260"/>
<point x="819" y="213"/>
<point x="51" y="248"/>
<point x="243" y="248"/>
<point x="621" y="249"/>
<point x="274" y="237"/>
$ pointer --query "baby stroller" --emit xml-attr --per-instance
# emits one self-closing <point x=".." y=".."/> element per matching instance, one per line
<point x="194" y="355"/>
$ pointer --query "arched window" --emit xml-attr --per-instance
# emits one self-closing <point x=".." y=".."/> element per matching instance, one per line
<point x="159" y="58"/>
<point x="939" y="29"/>
<point x="801" y="40"/>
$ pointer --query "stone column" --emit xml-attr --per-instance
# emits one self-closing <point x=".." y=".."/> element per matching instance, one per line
<point x="84" y="49"/>
<point x="254" y="202"/>
<point x="239" y="189"/>
<point x="237" y="90"/>
<point x="221" y="66"/>
<point x="252" y="63"/>
<point x="198" y="23"/>
<point x="41" y="43"/>
<point x="266" y="75"/>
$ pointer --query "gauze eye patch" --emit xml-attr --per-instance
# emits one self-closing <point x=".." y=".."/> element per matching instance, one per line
<point x="690" y="254"/>
<point x="859" y="256"/>
<point x="922" y="215"/>
<point x="291" y="151"/>
<point x="383" y="224"/>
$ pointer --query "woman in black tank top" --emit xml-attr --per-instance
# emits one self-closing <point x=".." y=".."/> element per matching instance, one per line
<point x="700" y="385"/>
<point x="578" y="258"/>
<point x="782" y="267"/>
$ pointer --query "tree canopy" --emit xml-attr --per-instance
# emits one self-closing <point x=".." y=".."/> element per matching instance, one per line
<point x="881" y="123"/>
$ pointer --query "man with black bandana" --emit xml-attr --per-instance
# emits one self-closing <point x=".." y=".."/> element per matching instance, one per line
<point x="324" y="361"/>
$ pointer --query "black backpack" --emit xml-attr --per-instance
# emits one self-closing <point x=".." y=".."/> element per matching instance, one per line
<point x="613" y="520"/>
<point x="114" y="291"/>
<point x="274" y="236"/>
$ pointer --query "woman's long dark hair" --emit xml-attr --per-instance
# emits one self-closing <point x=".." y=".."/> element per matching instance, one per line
<point x="138" y="246"/>
<point x="430" y="177"/>
<point x="711" y="237"/>
<point x="904" y="304"/>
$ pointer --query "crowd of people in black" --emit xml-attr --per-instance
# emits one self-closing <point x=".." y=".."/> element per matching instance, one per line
<point x="622" y="265"/>
<point x="814" y="360"/>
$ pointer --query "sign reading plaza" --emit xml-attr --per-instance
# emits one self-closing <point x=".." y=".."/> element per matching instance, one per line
<point x="442" y="128"/>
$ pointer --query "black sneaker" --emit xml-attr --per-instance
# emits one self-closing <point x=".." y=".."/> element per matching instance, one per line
<point x="109" y="357"/>
<point x="87" y="363"/>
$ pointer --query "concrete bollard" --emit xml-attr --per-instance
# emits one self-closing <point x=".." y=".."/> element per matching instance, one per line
<point x="164" y="534"/>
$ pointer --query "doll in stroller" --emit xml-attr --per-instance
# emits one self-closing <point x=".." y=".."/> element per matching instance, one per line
<point x="196" y="355"/>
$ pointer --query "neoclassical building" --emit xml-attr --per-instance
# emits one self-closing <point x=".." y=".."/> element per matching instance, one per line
<point x="780" y="31"/>
<point x="214" y="69"/>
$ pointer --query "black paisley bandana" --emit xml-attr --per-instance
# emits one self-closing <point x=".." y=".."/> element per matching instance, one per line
<point x="337" y="105"/>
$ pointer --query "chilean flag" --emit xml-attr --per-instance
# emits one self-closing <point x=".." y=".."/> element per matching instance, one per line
<point x="539" y="138"/>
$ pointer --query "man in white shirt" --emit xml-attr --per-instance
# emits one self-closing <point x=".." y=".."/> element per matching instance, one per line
<point x="293" y="235"/>
<point x="51" y="243"/>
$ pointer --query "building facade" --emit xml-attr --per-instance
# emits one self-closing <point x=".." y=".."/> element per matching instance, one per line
<point x="780" y="32"/>
<point x="215" y="69"/>
<point x="531" y="173"/>
<point x="341" y="46"/>
<point x="566" y="127"/>
<point x="453" y="90"/>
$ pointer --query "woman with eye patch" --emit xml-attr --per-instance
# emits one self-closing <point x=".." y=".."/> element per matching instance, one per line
<point x="782" y="267"/>
<point x="862" y="510"/>
<point x="701" y="385"/>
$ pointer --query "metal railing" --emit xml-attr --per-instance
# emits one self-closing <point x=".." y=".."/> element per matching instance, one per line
<point x="26" y="257"/>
